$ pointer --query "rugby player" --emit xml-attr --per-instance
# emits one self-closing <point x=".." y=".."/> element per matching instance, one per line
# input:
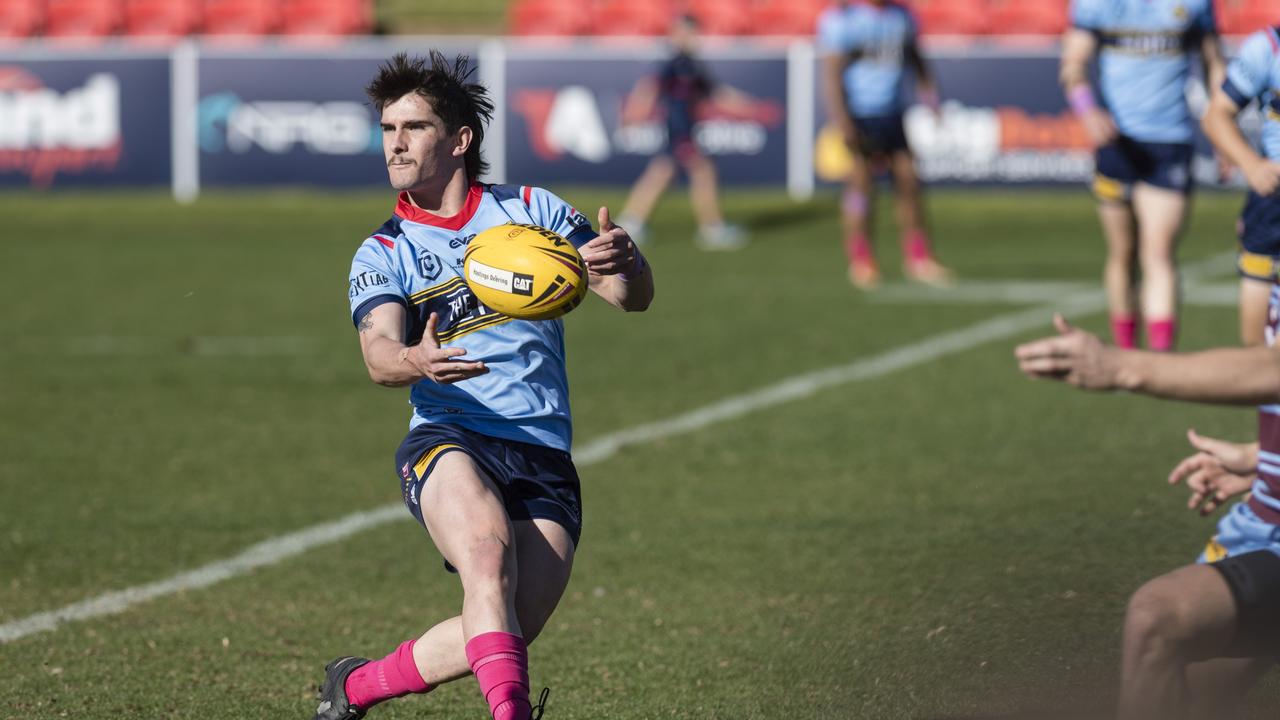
<point x="1197" y="638"/>
<point x="1253" y="75"/>
<point x="485" y="467"/>
<point x="1143" y="138"/>
<point x="866" y="49"/>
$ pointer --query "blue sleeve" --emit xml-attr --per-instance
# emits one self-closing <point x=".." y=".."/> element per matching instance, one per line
<point x="374" y="280"/>
<point x="1248" y="74"/>
<point x="831" y="38"/>
<point x="560" y="217"/>
<point x="913" y="27"/>
<point x="1086" y="14"/>
<point x="1206" y="23"/>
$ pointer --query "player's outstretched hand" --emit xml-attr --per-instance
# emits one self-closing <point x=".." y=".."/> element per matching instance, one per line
<point x="1100" y="127"/>
<point x="440" y="364"/>
<point x="1219" y="471"/>
<point x="612" y="252"/>
<point x="1073" y="356"/>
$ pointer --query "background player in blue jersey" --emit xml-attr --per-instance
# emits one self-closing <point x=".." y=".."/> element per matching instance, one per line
<point x="867" y="47"/>
<point x="485" y="467"/>
<point x="1253" y="75"/>
<point x="1197" y="638"/>
<point x="683" y="85"/>
<point x="1143" y="138"/>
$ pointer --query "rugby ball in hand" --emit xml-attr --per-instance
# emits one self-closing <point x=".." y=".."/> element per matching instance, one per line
<point x="525" y="271"/>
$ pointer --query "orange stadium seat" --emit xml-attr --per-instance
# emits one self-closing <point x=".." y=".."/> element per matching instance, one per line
<point x="81" y="18"/>
<point x="161" y="18"/>
<point x="953" y="17"/>
<point x="786" y="17"/>
<point x="629" y="17"/>
<point x="326" y="17"/>
<point x="722" y="17"/>
<point x="550" y="17"/>
<point x="1018" y="17"/>
<point x="20" y="18"/>
<point x="240" y="17"/>
<point x="1241" y="17"/>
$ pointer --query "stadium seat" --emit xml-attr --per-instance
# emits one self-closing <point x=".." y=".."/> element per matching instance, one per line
<point x="953" y="17"/>
<point x="1018" y="17"/>
<point x="550" y="17"/>
<point x="786" y="17"/>
<point x="722" y="17"/>
<point x="631" y="17"/>
<point x="1242" y="17"/>
<point x="240" y="18"/>
<point x="81" y="18"/>
<point x="20" y="18"/>
<point x="326" y="17"/>
<point x="161" y="18"/>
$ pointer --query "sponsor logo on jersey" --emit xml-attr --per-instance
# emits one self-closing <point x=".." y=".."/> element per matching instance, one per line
<point x="366" y="280"/>
<point x="461" y="242"/>
<point x="429" y="265"/>
<point x="45" y="132"/>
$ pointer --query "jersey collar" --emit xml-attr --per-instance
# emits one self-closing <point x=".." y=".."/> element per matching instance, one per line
<point x="407" y="210"/>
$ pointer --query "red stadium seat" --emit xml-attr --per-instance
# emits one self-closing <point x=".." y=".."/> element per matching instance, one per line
<point x="161" y="18"/>
<point x="326" y="17"/>
<point x="20" y="18"/>
<point x="81" y="18"/>
<point x="550" y="17"/>
<point x="240" y="18"/>
<point x="953" y="17"/>
<point x="722" y="17"/>
<point x="1018" y="17"/>
<point x="786" y="17"/>
<point x="1242" y="17"/>
<point x="631" y="17"/>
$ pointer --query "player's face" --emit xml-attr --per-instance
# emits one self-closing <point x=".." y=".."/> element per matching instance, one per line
<point x="420" y="151"/>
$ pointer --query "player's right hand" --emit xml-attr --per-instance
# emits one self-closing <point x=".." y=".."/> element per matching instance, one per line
<point x="440" y="364"/>
<point x="1218" y="472"/>
<point x="1100" y="127"/>
<point x="1073" y="356"/>
<point x="1263" y="176"/>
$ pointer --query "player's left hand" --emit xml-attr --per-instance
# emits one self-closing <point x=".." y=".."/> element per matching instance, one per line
<point x="612" y="252"/>
<point x="1073" y="356"/>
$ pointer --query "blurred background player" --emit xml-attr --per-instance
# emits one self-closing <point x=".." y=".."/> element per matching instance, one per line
<point x="485" y="466"/>
<point x="866" y="47"/>
<point x="682" y="88"/>
<point x="1143" y="140"/>
<point x="1252" y="75"/>
<point x="1197" y="638"/>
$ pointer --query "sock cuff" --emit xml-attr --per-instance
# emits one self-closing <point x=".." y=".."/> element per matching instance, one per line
<point x="482" y="646"/>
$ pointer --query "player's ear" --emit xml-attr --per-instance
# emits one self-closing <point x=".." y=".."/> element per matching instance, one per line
<point x="465" y="136"/>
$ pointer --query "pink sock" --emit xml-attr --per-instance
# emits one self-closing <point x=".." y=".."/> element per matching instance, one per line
<point x="501" y="665"/>
<point x="1124" y="330"/>
<point x="915" y="246"/>
<point x="858" y="248"/>
<point x="1160" y="334"/>
<point x="393" y="676"/>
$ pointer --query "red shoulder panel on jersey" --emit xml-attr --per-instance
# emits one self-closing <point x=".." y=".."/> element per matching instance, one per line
<point x="526" y="192"/>
<point x="386" y="241"/>
<point x="1271" y="35"/>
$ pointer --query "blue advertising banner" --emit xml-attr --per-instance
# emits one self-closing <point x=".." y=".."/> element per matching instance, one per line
<point x="71" y="121"/>
<point x="583" y="119"/>
<point x="290" y="118"/>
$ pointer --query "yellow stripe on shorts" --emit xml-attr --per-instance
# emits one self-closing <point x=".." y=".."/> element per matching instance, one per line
<point x="1213" y="552"/>
<point x="1262" y="267"/>
<point x="1109" y="189"/>
<point x="424" y="463"/>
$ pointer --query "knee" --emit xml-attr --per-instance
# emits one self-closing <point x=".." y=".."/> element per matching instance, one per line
<point x="489" y="559"/>
<point x="1157" y="622"/>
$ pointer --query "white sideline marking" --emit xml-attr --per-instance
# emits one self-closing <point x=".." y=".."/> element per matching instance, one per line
<point x="269" y="552"/>
<point x="1027" y="292"/>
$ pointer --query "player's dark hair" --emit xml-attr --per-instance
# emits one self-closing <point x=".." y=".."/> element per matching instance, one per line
<point x="446" y="86"/>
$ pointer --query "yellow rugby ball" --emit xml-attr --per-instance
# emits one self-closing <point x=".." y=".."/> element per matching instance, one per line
<point x="525" y="271"/>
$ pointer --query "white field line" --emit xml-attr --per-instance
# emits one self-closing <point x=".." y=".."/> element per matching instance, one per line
<point x="274" y="550"/>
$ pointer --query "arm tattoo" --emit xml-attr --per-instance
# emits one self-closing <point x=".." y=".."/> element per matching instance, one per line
<point x="366" y="323"/>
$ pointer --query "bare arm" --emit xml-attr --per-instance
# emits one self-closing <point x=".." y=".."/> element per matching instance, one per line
<point x="834" y="96"/>
<point x="1215" y="64"/>
<point x="1219" y="124"/>
<point x="616" y="271"/>
<point x="1078" y="48"/>
<point x="915" y="60"/>
<point x="390" y="362"/>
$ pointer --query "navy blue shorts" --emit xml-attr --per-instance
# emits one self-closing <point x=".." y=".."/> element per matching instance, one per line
<point x="880" y="135"/>
<point x="535" y="481"/>
<point x="1126" y="161"/>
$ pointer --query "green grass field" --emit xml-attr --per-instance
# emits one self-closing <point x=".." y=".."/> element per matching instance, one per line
<point x="948" y="540"/>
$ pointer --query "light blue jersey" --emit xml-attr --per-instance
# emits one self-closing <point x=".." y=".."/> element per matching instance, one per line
<point x="876" y="38"/>
<point x="415" y="259"/>
<point x="1254" y="74"/>
<point x="1144" y="61"/>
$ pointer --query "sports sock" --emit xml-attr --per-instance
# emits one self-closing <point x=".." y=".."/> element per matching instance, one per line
<point x="501" y="665"/>
<point x="1161" y="333"/>
<point x="1124" y="330"/>
<point x="858" y="249"/>
<point x="915" y="246"/>
<point x="393" y="676"/>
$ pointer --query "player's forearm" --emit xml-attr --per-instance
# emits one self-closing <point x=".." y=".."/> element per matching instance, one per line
<point x="1229" y="376"/>
<point x="630" y="294"/>
<point x="388" y="363"/>
<point x="833" y="92"/>
<point x="1219" y="124"/>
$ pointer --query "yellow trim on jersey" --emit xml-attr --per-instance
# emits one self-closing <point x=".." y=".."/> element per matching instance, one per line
<point x="1109" y="189"/>
<point x="1261" y="267"/>
<point x="470" y="325"/>
<point x="424" y="463"/>
<point x="436" y="290"/>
